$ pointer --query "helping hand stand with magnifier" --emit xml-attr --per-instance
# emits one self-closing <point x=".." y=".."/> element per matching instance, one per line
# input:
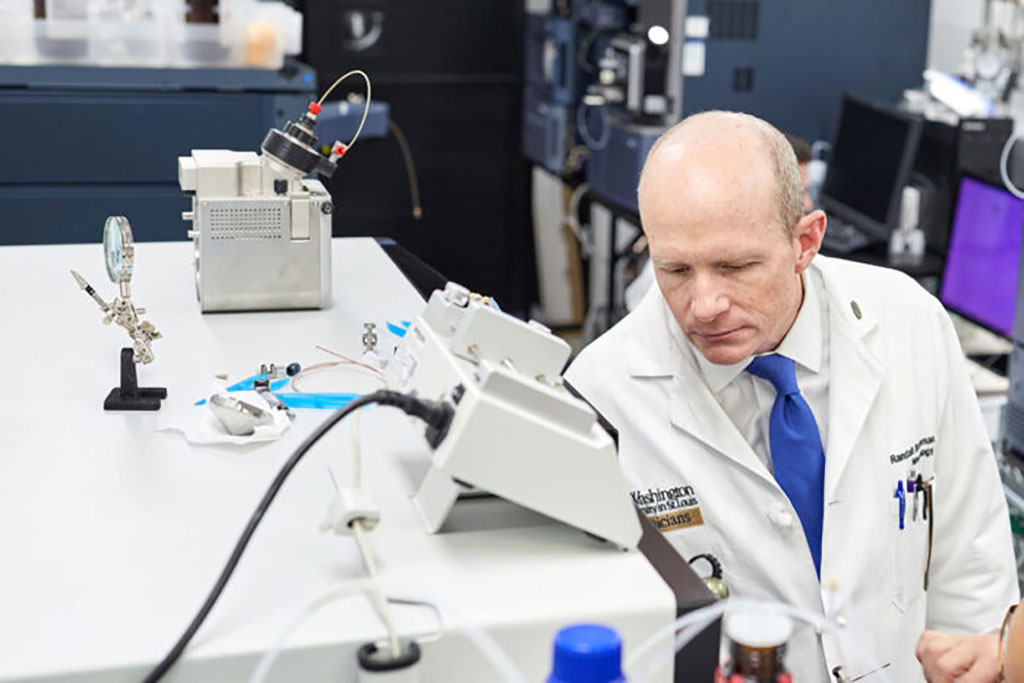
<point x="119" y="252"/>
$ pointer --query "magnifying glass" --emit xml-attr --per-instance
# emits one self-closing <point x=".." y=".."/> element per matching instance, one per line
<point x="118" y="249"/>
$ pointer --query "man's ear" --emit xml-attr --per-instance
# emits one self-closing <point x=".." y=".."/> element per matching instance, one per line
<point x="807" y="236"/>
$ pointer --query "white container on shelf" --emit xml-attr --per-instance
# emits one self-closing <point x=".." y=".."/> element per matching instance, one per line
<point x="150" y="33"/>
<point x="124" y="43"/>
<point x="62" y="41"/>
<point x="263" y="32"/>
<point x="67" y="10"/>
<point x="17" y="40"/>
<point x="63" y="36"/>
<point x="195" y="45"/>
<point x="129" y="32"/>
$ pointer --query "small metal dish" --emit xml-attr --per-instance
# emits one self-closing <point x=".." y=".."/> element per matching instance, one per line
<point x="238" y="417"/>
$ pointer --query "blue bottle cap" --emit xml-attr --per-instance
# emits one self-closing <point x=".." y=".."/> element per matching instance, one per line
<point x="587" y="653"/>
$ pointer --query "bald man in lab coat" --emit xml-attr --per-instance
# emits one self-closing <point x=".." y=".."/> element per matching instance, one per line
<point x="817" y="413"/>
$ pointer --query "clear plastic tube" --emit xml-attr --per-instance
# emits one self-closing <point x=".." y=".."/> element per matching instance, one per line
<point x="380" y="602"/>
<point x="1004" y="165"/>
<point x="356" y="587"/>
<point x="572" y="217"/>
<point x="487" y="645"/>
<point x="595" y="144"/>
<point x="687" y="626"/>
<point x="259" y="674"/>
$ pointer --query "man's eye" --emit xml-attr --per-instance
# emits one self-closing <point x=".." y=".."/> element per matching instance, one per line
<point x="737" y="266"/>
<point x="679" y="270"/>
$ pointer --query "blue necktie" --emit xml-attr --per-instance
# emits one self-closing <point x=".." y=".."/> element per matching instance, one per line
<point x="797" y="456"/>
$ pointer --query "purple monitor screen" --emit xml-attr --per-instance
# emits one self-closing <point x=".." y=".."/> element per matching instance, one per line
<point x="980" y="279"/>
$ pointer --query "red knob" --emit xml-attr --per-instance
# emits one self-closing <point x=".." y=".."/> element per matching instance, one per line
<point x="314" y="108"/>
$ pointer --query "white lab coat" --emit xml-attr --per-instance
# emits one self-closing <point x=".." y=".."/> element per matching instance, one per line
<point x="899" y="400"/>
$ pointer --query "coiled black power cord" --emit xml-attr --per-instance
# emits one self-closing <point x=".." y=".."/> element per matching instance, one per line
<point x="437" y="415"/>
<point x="716" y="566"/>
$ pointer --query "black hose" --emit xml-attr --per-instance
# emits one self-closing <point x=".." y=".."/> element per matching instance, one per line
<point x="437" y="416"/>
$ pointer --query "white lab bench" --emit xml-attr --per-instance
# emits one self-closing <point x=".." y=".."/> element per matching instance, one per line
<point x="112" y="533"/>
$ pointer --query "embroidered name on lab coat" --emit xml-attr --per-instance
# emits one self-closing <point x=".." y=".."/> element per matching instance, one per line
<point x="924" y="448"/>
<point x="670" y="508"/>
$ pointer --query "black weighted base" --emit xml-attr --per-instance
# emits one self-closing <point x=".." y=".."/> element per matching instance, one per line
<point x="144" y="399"/>
<point x="130" y="396"/>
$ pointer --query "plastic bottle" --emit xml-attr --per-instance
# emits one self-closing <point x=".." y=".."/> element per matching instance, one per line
<point x="587" y="653"/>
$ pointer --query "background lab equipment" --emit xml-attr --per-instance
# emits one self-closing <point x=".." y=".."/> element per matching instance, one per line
<point x="505" y="375"/>
<point x="729" y="54"/>
<point x="603" y="78"/>
<point x="872" y="155"/>
<point x="261" y="227"/>
<point x="950" y="147"/>
<point x="980" y="278"/>
<point x="452" y="72"/>
<point x="518" y="575"/>
<point x="982" y="289"/>
<point x="992" y="61"/>
<point x="124" y="129"/>
<point x="1014" y="426"/>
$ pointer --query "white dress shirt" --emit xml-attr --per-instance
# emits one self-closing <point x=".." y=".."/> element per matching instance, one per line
<point x="748" y="400"/>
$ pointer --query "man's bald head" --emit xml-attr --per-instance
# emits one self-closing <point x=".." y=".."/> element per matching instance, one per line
<point x="721" y="203"/>
<point x="725" y="144"/>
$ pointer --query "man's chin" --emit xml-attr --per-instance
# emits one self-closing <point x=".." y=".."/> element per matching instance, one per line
<point x="725" y="356"/>
<point x="724" y="352"/>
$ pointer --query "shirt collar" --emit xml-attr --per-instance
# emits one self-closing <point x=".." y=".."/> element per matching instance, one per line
<point x="801" y="344"/>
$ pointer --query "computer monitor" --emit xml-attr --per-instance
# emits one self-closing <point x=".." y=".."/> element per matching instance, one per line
<point x="872" y="156"/>
<point x="983" y="263"/>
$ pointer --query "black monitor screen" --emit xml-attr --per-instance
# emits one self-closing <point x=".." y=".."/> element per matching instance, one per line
<point x="867" y="159"/>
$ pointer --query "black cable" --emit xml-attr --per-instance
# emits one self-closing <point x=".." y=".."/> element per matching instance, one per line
<point x="583" y="52"/>
<point x="410" y="168"/>
<point x="437" y="415"/>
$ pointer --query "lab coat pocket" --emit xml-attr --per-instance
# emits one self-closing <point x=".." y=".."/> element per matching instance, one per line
<point x="908" y="550"/>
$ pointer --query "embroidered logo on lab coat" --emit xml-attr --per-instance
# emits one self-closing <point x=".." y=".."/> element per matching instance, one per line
<point x="670" y="508"/>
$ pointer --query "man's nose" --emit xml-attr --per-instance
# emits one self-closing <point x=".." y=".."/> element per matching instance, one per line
<point x="709" y="301"/>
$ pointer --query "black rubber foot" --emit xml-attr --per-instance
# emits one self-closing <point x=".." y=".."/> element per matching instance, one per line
<point x="130" y="396"/>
